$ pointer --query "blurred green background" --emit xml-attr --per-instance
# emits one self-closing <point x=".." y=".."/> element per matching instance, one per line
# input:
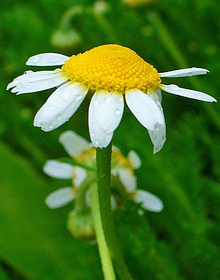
<point x="182" y="242"/>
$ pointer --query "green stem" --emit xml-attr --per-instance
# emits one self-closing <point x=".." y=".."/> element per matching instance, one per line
<point x="80" y="200"/>
<point x="103" y="162"/>
<point x="106" y="260"/>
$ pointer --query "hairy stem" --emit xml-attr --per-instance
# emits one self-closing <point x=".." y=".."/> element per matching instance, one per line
<point x="103" y="161"/>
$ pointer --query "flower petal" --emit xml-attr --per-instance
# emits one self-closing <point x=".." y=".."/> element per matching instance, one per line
<point x="134" y="159"/>
<point x="37" y="81"/>
<point x="158" y="137"/>
<point x="47" y="59"/>
<point x="158" y="134"/>
<point x="73" y="143"/>
<point x="110" y="107"/>
<point x="60" y="197"/>
<point x="194" y="71"/>
<point x="149" y="201"/>
<point x="79" y="175"/>
<point x="156" y="96"/>
<point x="60" y="170"/>
<point x="174" y="89"/>
<point x="100" y="133"/>
<point x="144" y="108"/>
<point x="126" y="177"/>
<point x="60" y="106"/>
<point x="150" y="114"/>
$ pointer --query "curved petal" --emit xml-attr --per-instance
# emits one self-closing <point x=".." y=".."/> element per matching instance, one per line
<point x="116" y="149"/>
<point x="109" y="107"/>
<point x="174" y="89"/>
<point x="60" y="197"/>
<point x="149" y="201"/>
<point x="60" y="170"/>
<point x="79" y="175"/>
<point x="126" y="177"/>
<point x="149" y="114"/>
<point x="73" y="143"/>
<point x="60" y="106"/>
<point x="37" y="81"/>
<point x="158" y="137"/>
<point x="156" y="96"/>
<point x="47" y="59"/>
<point x="194" y="71"/>
<point x="134" y="159"/>
<point x="144" y="108"/>
<point x="101" y="133"/>
<point x="158" y="134"/>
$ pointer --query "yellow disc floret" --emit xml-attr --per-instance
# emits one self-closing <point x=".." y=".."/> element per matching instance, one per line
<point x="112" y="68"/>
<point x="119" y="161"/>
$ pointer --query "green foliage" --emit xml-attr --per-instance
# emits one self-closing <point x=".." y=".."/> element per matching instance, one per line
<point x="182" y="242"/>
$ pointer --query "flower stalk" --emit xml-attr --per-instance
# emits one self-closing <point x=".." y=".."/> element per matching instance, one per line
<point x="103" y="162"/>
<point x="105" y="256"/>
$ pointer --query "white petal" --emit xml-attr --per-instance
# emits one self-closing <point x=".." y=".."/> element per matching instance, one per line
<point x="158" y="134"/>
<point x="115" y="149"/>
<point x="159" y="94"/>
<point x="79" y="175"/>
<point x="174" y="89"/>
<point x="109" y="107"/>
<point x="134" y="159"/>
<point x="73" y="143"/>
<point x="158" y="137"/>
<point x="149" y="201"/>
<point x="47" y="59"/>
<point x="60" y="197"/>
<point x="144" y="108"/>
<point x="37" y="81"/>
<point x="99" y="137"/>
<point x="126" y="177"/>
<point x="105" y="113"/>
<point x="156" y="96"/>
<point x="60" y="106"/>
<point x="184" y="72"/>
<point x="60" y="170"/>
<point x="149" y="114"/>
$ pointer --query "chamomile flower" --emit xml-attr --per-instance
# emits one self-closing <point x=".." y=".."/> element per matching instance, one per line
<point x="113" y="74"/>
<point x="83" y="154"/>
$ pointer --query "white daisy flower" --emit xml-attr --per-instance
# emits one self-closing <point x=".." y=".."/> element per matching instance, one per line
<point x="113" y="73"/>
<point x="84" y="153"/>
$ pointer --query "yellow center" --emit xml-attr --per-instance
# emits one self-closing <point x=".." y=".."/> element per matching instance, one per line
<point x="88" y="157"/>
<point x="119" y="161"/>
<point x="112" y="68"/>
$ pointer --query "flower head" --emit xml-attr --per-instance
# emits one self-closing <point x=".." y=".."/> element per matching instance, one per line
<point x="82" y="173"/>
<point x="112" y="73"/>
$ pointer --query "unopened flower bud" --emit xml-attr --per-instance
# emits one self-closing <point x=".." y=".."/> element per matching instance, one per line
<point x="100" y="7"/>
<point x="66" y="38"/>
<point x="80" y="224"/>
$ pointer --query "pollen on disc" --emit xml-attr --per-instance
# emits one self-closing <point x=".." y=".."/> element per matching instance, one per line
<point x="112" y="68"/>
